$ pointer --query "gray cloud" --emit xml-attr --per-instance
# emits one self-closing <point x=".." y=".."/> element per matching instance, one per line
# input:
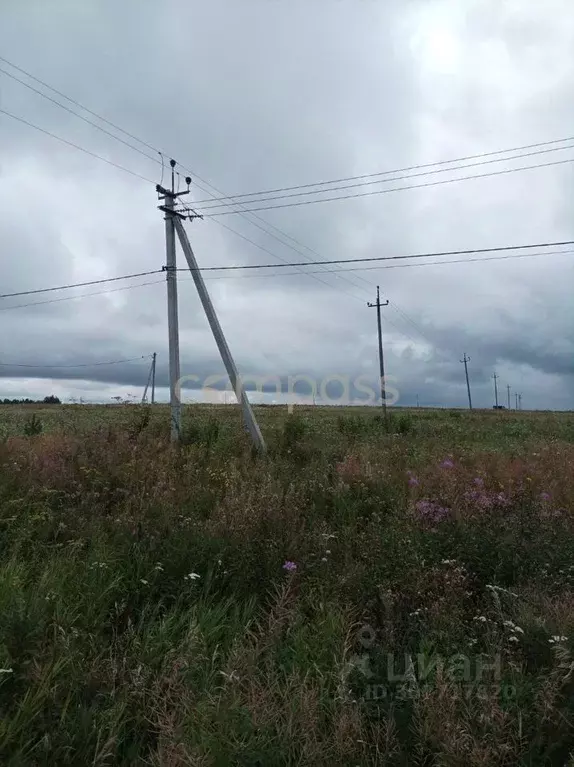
<point x="266" y="93"/>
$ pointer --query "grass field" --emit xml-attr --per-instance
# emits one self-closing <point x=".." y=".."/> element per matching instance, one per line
<point x="363" y="595"/>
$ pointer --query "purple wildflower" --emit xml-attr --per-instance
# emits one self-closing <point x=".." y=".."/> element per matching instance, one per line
<point x="431" y="511"/>
<point x="545" y="496"/>
<point x="413" y="481"/>
<point x="289" y="566"/>
<point x="447" y="464"/>
<point x="479" y="481"/>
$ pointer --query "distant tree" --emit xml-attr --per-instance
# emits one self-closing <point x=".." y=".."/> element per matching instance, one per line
<point x="51" y="400"/>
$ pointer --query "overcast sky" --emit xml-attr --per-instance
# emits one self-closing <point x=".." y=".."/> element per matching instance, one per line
<point x="259" y="94"/>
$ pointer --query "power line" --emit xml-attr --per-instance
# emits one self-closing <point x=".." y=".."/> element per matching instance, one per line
<point x="116" y="127"/>
<point x="399" y="188"/>
<point x="160" y="161"/>
<point x="390" y="258"/>
<point x="396" y="266"/>
<point x="244" y="211"/>
<point x="388" y="172"/>
<point x="79" y="365"/>
<point x="210" y="207"/>
<point x="291" y="274"/>
<point x="82" y="295"/>
<point x="79" y="284"/>
<point x="75" y="146"/>
<point x="415" y="325"/>
<point x="77" y="103"/>
<point x="80" y="117"/>
<point x="270" y="234"/>
<point x="288" y="274"/>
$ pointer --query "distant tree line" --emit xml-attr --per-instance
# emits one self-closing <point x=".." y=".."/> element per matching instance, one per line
<point x="50" y="400"/>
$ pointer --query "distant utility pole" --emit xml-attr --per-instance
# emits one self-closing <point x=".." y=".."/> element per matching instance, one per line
<point x="466" y="360"/>
<point x="418" y="404"/>
<point x="508" y="392"/>
<point x="520" y="401"/>
<point x="150" y="378"/>
<point x="516" y="398"/>
<point x="170" y="196"/>
<point x="495" y="389"/>
<point x="381" y="358"/>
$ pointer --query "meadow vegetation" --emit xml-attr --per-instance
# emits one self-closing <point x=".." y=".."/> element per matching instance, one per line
<point x="365" y="594"/>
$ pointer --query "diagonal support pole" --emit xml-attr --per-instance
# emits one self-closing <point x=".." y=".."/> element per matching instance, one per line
<point x="151" y="370"/>
<point x="217" y="330"/>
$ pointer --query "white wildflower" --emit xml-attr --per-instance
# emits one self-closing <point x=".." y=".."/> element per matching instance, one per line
<point x="143" y="580"/>
<point x="192" y="577"/>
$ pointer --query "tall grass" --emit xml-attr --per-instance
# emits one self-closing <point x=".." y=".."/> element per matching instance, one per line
<point x="362" y="595"/>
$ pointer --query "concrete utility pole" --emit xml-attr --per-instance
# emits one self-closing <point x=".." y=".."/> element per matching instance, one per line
<point x="153" y="378"/>
<point x="466" y="360"/>
<point x="170" y="196"/>
<point x="149" y="379"/>
<point x="495" y="389"/>
<point x="381" y="358"/>
<point x="217" y="331"/>
<point x="508" y="392"/>
<point x="516" y="398"/>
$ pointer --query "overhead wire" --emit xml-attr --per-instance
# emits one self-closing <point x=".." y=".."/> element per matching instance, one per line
<point x="78" y="104"/>
<point x="79" y="365"/>
<point x="252" y="267"/>
<point x="79" y="284"/>
<point x="468" y="251"/>
<point x="81" y="295"/>
<point x="208" y="207"/>
<point x="239" y="197"/>
<point x="75" y="146"/>
<point x="397" y="189"/>
<point x="80" y="117"/>
<point x="114" y="125"/>
<point x="245" y="212"/>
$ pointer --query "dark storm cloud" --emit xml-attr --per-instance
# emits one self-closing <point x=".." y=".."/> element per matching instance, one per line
<point x="261" y="94"/>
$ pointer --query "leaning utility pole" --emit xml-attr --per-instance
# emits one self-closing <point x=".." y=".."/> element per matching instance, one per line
<point x="150" y="378"/>
<point x="381" y="359"/>
<point x="153" y="378"/>
<point x="466" y="360"/>
<point x="495" y="389"/>
<point x="170" y="196"/>
<point x="508" y="392"/>
<point x="217" y="331"/>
